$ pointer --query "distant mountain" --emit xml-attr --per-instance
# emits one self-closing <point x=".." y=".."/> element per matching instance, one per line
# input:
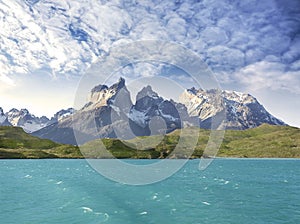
<point x="29" y="122"/>
<point x="240" y="110"/>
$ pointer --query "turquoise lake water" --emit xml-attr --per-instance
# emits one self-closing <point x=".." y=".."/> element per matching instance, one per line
<point x="229" y="191"/>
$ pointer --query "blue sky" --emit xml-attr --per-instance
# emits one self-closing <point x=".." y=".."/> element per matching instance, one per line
<point x="251" y="46"/>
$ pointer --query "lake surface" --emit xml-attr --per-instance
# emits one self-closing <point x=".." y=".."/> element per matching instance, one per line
<point x="230" y="191"/>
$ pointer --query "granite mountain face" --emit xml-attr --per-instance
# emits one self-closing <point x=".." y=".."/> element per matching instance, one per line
<point x="110" y="113"/>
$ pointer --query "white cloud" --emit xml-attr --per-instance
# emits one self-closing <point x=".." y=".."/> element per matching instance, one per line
<point x="214" y="36"/>
<point x="269" y="75"/>
<point x="222" y="58"/>
<point x="67" y="36"/>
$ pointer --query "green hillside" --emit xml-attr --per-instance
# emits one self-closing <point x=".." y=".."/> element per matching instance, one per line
<point x="15" y="143"/>
<point x="264" y="141"/>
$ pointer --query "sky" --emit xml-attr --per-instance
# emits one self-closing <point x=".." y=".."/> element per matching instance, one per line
<point x="252" y="46"/>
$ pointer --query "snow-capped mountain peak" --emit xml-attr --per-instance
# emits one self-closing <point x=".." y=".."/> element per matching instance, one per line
<point x="241" y="110"/>
<point x="29" y="122"/>
<point x="146" y="91"/>
<point x="23" y="118"/>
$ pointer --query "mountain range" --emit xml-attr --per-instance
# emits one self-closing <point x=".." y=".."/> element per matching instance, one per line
<point x="110" y="113"/>
<point x="29" y="122"/>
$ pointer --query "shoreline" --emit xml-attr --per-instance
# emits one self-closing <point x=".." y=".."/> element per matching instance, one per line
<point x="216" y="158"/>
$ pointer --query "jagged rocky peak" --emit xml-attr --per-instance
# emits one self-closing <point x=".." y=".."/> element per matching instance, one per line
<point x="146" y="91"/>
<point x="24" y="111"/>
<point x="102" y="95"/>
<point x="119" y="85"/>
<point x="62" y="114"/>
<point x="3" y="118"/>
<point x="12" y="111"/>
<point x="116" y="86"/>
<point x="150" y="106"/>
<point x="146" y="99"/>
<point x="99" y="88"/>
<point x="24" y="119"/>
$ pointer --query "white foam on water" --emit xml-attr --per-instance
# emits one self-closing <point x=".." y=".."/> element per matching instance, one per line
<point x="205" y="203"/>
<point x="28" y="176"/>
<point x="154" y="197"/>
<point x="173" y="210"/>
<point x="59" y="182"/>
<point x="87" y="209"/>
<point x="143" y="213"/>
<point x="100" y="215"/>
